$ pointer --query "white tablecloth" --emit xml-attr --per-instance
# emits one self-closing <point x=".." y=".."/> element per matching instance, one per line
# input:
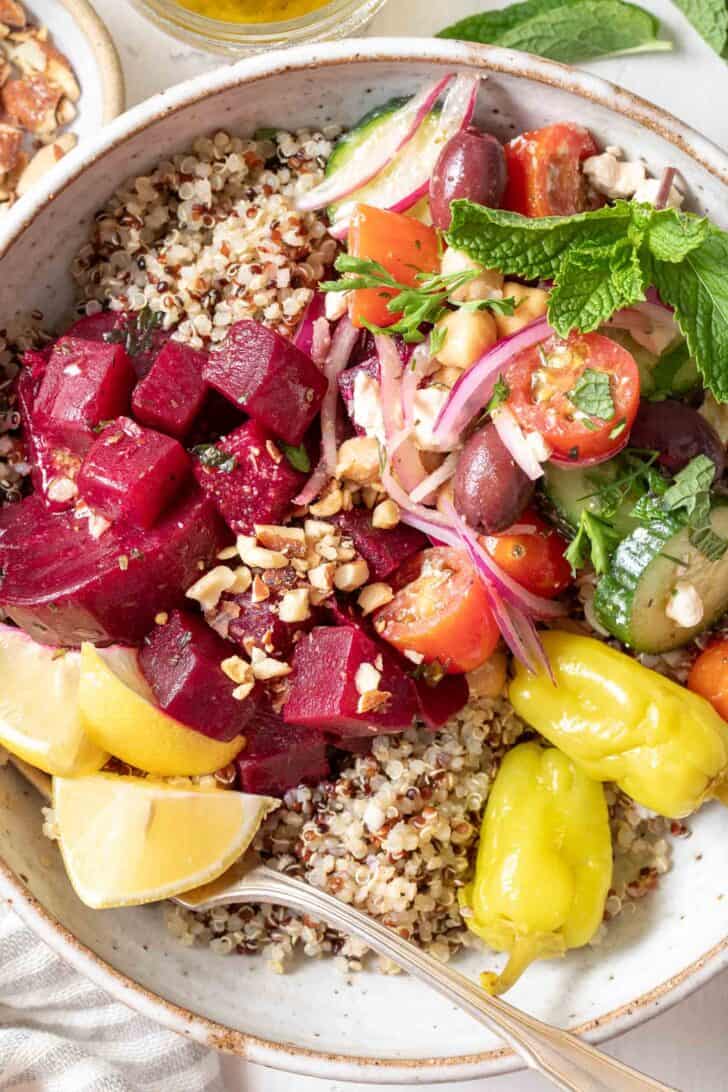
<point x="683" y="1047"/>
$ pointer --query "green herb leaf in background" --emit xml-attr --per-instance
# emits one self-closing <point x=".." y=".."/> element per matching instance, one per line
<point x="296" y="456"/>
<point x="564" y="30"/>
<point x="710" y="19"/>
<point x="594" y="541"/>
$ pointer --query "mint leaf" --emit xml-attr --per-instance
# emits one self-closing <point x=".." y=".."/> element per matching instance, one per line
<point x="697" y="288"/>
<point x="594" y="541"/>
<point x="564" y="30"/>
<point x="593" y="284"/>
<point x="671" y="235"/>
<point x="296" y="456"/>
<point x="710" y="19"/>
<point x="670" y="364"/>
<point x="691" y="489"/>
<point x="532" y="248"/>
<point x="592" y="394"/>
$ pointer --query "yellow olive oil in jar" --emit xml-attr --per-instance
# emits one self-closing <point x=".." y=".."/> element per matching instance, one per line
<point x="252" y="11"/>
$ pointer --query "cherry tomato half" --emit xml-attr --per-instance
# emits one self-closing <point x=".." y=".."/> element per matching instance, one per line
<point x="542" y="379"/>
<point x="403" y="245"/>
<point x="441" y="611"/>
<point x="709" y="676"/>
<point x="544" y="170"/>
<point x="533" y="557"/>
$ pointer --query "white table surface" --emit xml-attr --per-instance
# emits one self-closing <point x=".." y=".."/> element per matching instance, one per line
<point x="684" y="1047"/>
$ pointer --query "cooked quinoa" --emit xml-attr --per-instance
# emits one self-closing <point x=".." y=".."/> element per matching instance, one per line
<point x="212" y="237"/>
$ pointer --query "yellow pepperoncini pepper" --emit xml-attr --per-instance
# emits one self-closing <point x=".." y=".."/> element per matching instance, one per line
<point x="664" y="746"/>
<point x="544" y="862"/>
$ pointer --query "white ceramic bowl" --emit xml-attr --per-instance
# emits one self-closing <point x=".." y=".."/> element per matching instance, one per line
<point x="371" y="1028"/>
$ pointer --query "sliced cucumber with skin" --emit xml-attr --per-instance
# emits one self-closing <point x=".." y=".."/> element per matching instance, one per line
<point x="350" y="141"/>
<point x="673" y="373"/>
<point x="631" y="599"/>
<point x="573" y="491"/>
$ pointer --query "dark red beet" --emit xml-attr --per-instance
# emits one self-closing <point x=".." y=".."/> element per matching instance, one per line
<point x="62" y="586"/>
<point x="123" y="326"/>
<point x="260" y="624"/>
<point x="268" y="377"/>
<point x="85" y="383"/>
<point x="347" y="383"/>
<point x="254" y="486"/>
<point x="216" y="419"/>
<point x="323" y="691"/>
<point x="97" y="327"/>
<point x="181" y="662"/>
<point x="384" y="551"/>
<point x="172" y="394"/>
<point x="279" y="756"/>
<point x="438" y="703"/>
<point x="132" y="473"/>
<point x="48" y="461"/>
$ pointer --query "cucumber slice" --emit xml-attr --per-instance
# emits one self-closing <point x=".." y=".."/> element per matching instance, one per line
<point x="673" y="373"/>
<point x="644" y="359"/>
<point x="347" y="145"/>
<point x="573" y="491"/>
<point x="632" y="598"/>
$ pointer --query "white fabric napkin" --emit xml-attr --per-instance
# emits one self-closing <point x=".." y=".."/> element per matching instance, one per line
<point x="61" y="1033"/>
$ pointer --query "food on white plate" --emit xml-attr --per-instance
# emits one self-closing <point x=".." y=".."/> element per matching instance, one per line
<point x="364" y="459"/>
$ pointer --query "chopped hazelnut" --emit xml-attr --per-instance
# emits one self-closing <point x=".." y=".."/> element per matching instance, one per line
<point x="321" y="576"/>
<point x="287" y="540"/>
<point x="367" y="678"/>
<point x="374" y="596"/>
<point x="351" y="575"/>
<point x="358" y="460"/>
<point x="386" y="515"/>
<point x="265" y="667"/>
<point x="208" y="589"/>
<point x="237" y="669"/>
<point x="328" y="505"/>
<point x="294" y="606"/>
<point x="260" y="591"/>
<point x="257" y="556"/>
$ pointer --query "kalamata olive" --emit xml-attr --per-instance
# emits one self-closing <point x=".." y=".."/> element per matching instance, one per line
<point x="491" y="490"/>
<point x="678" y="433"/>
<point x="471" y="165"/>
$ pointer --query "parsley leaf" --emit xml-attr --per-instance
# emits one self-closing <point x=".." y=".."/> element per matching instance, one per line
<point x="594" y="541"/>
<point x="214" y="458"/>
<point x="500" y="394"/>
<point x="592" y="394"/>
<point x="296" y="456"/>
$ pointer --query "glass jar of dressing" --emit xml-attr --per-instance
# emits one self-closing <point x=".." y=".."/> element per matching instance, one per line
<point x="238" y="27"/>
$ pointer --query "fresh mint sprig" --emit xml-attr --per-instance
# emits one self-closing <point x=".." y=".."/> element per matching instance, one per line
<point x="425" y="304"/>
<point x="603" y="260"/>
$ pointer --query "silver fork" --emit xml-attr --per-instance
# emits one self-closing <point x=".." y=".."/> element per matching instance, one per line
<point x="564" y="1059"/>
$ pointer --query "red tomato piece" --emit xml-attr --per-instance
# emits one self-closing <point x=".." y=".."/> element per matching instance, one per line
<point x="533" y="557"/>
<point x="403" y="245"/>
<point x="709" y="676"/>
<point x="542" y="380"/>
<point x="441" y="612"/>
<point x="544" y="170"/>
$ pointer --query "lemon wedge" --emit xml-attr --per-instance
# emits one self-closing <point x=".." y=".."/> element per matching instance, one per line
<point x="118" y="713"/>
<point x="39" y="719"/>
<point x="132" y="840"/>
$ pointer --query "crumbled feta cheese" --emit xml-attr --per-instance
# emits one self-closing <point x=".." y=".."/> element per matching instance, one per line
<point x="648" y="190"/>
<point x="428" y="403"/>
<point x="685" y="605"/>
<point x="612" y="177"/>
<point x="367" y="678"/>
<point x="367" y="406"/>
<point x="335" y="305"/>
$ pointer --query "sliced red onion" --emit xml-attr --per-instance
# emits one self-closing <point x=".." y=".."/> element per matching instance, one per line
<point x="403" y="456"/>
<point x="377" y="151"/>
<point x="512" y="592"/>
<point x="429" y="517"/>
<point x="420" y="365"/>
<point x="402" y="187"/>
<point x="515" y="442"/>
<point x="663" y="194"/>
<point x="342" y="346"/>
<point x="321" y="342"/>
<point x="427" y="487"/>
<point x="475" y="386"/>
<point x="303" y="337"/>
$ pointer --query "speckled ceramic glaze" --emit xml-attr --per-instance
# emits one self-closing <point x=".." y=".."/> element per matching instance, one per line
<point x="371" y="1028"/>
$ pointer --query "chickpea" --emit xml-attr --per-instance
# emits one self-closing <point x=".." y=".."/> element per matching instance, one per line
<point x="468" y="334"/>
<point x="448" y="377"/>
<point x="531" y="304"/>
<point x="487" y="285"/>
<point x="445" y="496"/>
<point x="489" y="680"/>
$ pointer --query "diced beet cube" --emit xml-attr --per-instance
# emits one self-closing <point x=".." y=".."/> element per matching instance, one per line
<point x="216" y="419"/>
<point x="181" y="662"/>
<point x="85" y="383"/>
<point x="384" y="551"/>
<point x="63" y="586"/>
<point x="133" y="473"/>
<point x="53" y="468"/>
<point x="269" y="378"/>
<point x="279" y="756"/>
<point x="437" y="704"/>
<point x="172" y="394"/>
<point x="323" y="688"/>
<point x="248" y="484"/>
<point x="36" y="361"/>
<point x="347" y="385"/>
<point x="123" y="326"/>
<point x="97" y="327"/>
<point x="260" y="624"/>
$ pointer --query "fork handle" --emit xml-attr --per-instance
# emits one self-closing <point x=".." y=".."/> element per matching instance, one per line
<point x="567" y="1061"/>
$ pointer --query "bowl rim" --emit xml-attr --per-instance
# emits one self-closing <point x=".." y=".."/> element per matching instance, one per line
<point x="101" y="44"/>
<point x="287" y="1056"/>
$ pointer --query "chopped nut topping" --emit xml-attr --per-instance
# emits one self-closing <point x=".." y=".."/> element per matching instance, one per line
<point x="374" y="596"/>
<point x="265" y="667"/>
<point x="367" y="678"/>
<point x="328" y="505"/>
<point x="358" y="460"/>
<point x="316" y="529"/>
<point x="257" y="556"/>
<point x="294" y="606"/>
<point x="322" y="577"/>
<point x="62" y="489"/>
<point x="287" y="540"/>
<point x="12" y="14"/>
<point x="237" y="669"/>
<point x="386" y="515"/>
<point x="351" y="575"/>
<point x="208" y="589"/>
<point x="240" y="693"/>
<point x="243" y="580"/>
<point x="11" y="142"/>
<point x="372" y="700"/>
<point x="162" y="618"/>
<point x="260" y="591"/>
<point x="228" y="553"/>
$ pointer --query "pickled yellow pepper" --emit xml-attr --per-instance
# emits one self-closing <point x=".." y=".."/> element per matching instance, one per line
<point x="544" y="861"/>
<point x="664" y="746"/>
